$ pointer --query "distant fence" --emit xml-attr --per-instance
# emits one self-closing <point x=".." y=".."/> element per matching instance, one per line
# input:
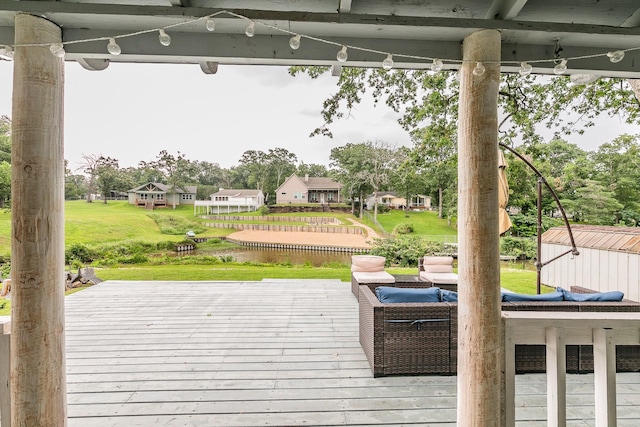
<point x="298" y="228"/>
<point x="271" y="218"/>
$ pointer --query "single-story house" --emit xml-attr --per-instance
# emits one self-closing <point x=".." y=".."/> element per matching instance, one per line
<point x="392" y="200"/>
<point x="154" y="194"/>
<point x="230" y="200"/>
<point x="609" y="259"/>
<point x="296" y="190"/>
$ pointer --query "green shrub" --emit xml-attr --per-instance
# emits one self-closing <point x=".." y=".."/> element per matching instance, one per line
<point x="264" y="210"/>
<point x="406" y="250"/>
<point x="520" y="247"/>
<point x="79" y="252"/>
<point x="403" y="228"/>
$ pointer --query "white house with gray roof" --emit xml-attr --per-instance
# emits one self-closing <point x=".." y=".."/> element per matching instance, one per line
<point x="229" y="201"/>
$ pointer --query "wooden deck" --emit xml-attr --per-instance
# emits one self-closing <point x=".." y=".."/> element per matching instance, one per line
<point x="272" y="353"/>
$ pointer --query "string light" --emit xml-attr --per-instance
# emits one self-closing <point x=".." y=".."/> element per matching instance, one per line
<point x="251" y="29"/>
<point x="57" y="49"/>
<point x="342" y="55"/>
<point x="164" y="38"/>
<point x="387" y="64"/>
<point x="113" y="47"/>
<point x="6" y="53"/>
<point x="210" y="24"/>
<point x="479" y="69"/>
<point x="294" y="42"/>
<point x="616" y="56"/>
<point x="561" y="68"/>
<point x="525" y="69"/>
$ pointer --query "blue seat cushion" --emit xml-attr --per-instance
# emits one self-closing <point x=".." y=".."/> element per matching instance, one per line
<point x="553" y="296"/>
<point x="448" y="296"/>
<point x="596" y="296"/>
<point x="388" y="294"/>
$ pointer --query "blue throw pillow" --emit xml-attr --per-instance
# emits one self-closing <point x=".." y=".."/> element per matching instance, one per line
<point x="388" y="294"/>
<point x="596" y="296"/>
<point x="448" y="296"/>
<point x="553" y="296"/>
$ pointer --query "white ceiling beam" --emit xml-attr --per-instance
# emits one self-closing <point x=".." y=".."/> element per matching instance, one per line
<point x="505" y="9"/>
<point x="633" y="20"/>
<point x="345" y="6"/>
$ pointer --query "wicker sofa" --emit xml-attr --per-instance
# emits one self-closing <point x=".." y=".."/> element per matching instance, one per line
<point x="422" y="338"/>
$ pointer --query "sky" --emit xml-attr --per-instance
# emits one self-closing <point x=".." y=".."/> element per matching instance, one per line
<point x="131" y="112"/>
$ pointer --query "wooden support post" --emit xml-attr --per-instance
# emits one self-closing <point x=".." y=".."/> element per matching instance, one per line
<point x="604" y="368"/>
<point x="556" y="378"/>
<point x="38" y="372"/>
<point x="479" y="331"/>
<point x="5" y="374"/>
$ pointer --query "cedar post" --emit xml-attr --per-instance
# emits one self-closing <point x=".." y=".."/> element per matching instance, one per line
<point x="38" y="373"/>
<point x="479" y="329"/>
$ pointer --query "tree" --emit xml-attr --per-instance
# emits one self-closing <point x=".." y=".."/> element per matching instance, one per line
<point x="5" y="183"/>
<point x="594" y="204"/>
<point x="282" y="163"/>
<point x="107" y="175"/>
<point x="256" y="166"/>
<point x="348" y="168"/>
<point x="312" y="169"/>
<point x="89" y="166"/>
<point x="617" y="166"/>
<point x="406" y="178"/>
<point x="5" y="139"/>
<point x="379" y="164"/>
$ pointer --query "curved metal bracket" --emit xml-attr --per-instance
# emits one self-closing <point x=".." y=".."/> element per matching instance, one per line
<point x="542" y="180"/>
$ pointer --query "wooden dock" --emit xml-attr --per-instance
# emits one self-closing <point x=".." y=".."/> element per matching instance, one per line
<point x="272" y="353"/>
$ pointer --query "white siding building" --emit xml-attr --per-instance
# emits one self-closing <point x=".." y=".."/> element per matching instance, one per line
<point x="229" y="201"/>
<point x="609" y="259"/>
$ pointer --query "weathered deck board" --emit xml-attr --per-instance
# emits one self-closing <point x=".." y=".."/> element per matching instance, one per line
<point x="278" y="353"/>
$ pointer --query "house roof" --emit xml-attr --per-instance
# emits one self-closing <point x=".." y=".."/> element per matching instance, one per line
<point x="238" y="193"/>
<point x="619" y="239"/>
<point x="321" y="183"/>
<point x="164" y="188"/>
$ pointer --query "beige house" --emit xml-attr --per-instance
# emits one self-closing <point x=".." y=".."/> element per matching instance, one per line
<point x="296" y="190"/>
<point x="392" y="200"/>
<point x="156" y="194"/>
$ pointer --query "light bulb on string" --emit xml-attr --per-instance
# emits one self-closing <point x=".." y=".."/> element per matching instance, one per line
<point x="294" y="42"/>
<point x="525" y="69"/>
<point x="6" y="53"/>
<point x="479" y="69"/>
<point x="210" y="24"/>
<point x="342" y="55"/>
<point x="57" y="49"/>
<point x="616" y="56"/>
<point x="164" y="38"/>
<point x="113" y="47"/>
<point x="387" y="64"/>
<point x="437" y="65"/>
<point x="251" y="29"/>
<point x="561" y="68"/>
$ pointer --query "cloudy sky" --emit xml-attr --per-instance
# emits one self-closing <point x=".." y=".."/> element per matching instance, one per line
<point x="133" y="111"/>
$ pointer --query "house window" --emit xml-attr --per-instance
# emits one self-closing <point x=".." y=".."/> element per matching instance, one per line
<point x="314" y="197"/>
<point x="187" y="197"/>
<point x="298" y="195"/>
<point x="330" y="197"/>
<point x="222" y="198"/>
<point x="160" y="197"/>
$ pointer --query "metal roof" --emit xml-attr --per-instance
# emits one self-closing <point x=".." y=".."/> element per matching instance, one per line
<point x="531" y="30"/>
<point x="237" y="193"/>
<point x="621" y="239"/>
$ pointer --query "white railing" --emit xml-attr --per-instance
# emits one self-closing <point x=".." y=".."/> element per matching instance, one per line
<point x="603" y="330"/>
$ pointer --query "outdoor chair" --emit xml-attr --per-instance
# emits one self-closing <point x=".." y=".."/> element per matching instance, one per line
<point x="438" y="270"/>
<point x="368" y="270"/>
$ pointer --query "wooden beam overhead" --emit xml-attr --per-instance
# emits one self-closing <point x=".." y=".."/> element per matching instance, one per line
<point x="505" y="9"/>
